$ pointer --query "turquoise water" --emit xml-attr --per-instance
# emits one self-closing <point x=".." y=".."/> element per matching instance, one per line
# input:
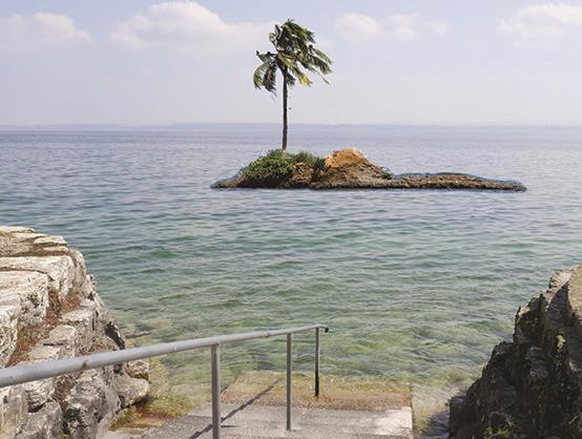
<point x="416" y="286"/>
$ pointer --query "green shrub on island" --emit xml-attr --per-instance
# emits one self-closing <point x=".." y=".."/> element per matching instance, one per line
<point x="315" y="162"/>
<point x="273" y="168"/>
<point x="270" y="169"/>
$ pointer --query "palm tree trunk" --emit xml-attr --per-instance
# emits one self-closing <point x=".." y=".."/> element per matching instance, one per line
<point x="285" y="127"/>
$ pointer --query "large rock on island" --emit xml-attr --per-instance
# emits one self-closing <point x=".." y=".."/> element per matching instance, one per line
<point x="49" y="309"/>
<point x="350" y="169"/>
<point x="532" y="386"/>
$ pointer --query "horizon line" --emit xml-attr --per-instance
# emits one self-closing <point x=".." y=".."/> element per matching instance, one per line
<point x="190" y="125"/>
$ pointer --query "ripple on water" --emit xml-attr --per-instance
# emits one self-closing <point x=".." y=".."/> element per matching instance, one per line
<point x="417" y="286"/>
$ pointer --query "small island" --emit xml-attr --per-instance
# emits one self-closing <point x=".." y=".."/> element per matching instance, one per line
<point x="294" y="57"/>
<point x="347" y="169"/>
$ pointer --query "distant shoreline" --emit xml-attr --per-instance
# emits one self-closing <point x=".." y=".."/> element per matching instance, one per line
<point x="184" y="127"/>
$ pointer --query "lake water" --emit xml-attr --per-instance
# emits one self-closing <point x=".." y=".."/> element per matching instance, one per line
<point x="416" y="285"/>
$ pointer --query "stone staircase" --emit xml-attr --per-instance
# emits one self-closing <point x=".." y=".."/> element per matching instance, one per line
<point x="254" y="407"/>
<point x="258" y="421"/>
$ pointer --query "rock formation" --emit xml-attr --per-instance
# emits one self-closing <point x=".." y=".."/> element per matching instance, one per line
<point x="350" y="169"/>
<point x="532" y="386"/>
<point x="49" y="309"/>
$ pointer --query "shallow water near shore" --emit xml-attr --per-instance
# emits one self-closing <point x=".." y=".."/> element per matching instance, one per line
<point x="416" y="286"/>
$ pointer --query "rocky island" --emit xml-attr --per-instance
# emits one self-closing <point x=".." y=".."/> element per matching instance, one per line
<point x="49" y="309"/>
<point x="347" y="169"/>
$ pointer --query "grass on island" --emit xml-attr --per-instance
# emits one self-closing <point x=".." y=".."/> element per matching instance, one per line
<point x="276" y="166"/>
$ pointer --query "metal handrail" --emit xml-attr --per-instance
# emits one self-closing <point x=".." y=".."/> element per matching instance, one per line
<point x="47" y="369"/>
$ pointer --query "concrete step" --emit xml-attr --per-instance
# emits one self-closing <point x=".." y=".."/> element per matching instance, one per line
<point x="254" y="407"/>
<point x="269" y="422"/>
<point x="388" y="422"/>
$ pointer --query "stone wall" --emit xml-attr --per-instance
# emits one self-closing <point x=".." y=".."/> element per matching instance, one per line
<point x="49" y="309"/>
<point x="531" y="387"/>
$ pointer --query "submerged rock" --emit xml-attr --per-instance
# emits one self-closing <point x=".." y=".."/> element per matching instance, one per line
<point x="49" y="310"/>
<point x="532" y="386"/>
<point x="350" y="169"/>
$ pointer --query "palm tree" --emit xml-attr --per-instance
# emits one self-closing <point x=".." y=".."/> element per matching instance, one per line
<point x="295" y="55"/>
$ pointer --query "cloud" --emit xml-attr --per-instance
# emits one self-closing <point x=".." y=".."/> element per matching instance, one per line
<point x="542" y="24"/>
<point x="358" y="27"/>
<point x="187" y="27"/>
<point x="407" y="27"/>
<point x="19" y="34"/>
<point x="399" y="27"/>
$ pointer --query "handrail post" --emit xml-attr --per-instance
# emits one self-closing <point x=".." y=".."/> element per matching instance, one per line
<point x="317" y="353"/>
<point x="289" y="379"/>
<point x="215" y="371"/>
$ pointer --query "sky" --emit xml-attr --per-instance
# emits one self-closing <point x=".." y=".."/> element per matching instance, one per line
<point x="443" y="62"/>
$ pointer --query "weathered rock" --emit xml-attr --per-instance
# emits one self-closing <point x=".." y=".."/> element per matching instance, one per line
<point x="59" y="269"/>
<point x="237" y="181"/>
<point x="16" y="240"/>
<point x="8" y="332"/>
<point x="301" y="176"/>
<point x="39" y="392"/>
<point x="90" y="405"/>
<point x="56" y="249"/>
<point x="138" y="369"/>
<point x="83" y="320"/>
<point x="49" y="309"/>
<point x="351" y="169"/>
<point x="43" y="424"/>
<point x="83" y="282"/>
<point x="65" y="336"/>
<point x="131" y="390"/>
<point x="449" y="181"/>
<point x="112" y="331"/>
<point x="27" y="235"/>
<point x="15" y="229"/>
<point x="27" y="289"/>
<point x="461" y="414"/>
<point x="13" y="411"/>
<point x="532" y="386"/>
<point x="52" y="240"/>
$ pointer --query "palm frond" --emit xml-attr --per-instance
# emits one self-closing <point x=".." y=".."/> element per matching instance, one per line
<point x="289" y="65"/>
<point x="266" y="57"/>
<point x="270" y="78"/>
<point x="295" y="56"/>
<point x="318" y="53"/>
<point x="259" y="74"/>
<point x="320" y="64"/>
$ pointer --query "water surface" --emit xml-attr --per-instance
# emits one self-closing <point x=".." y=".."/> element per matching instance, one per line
<point x="416" y="285"/>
